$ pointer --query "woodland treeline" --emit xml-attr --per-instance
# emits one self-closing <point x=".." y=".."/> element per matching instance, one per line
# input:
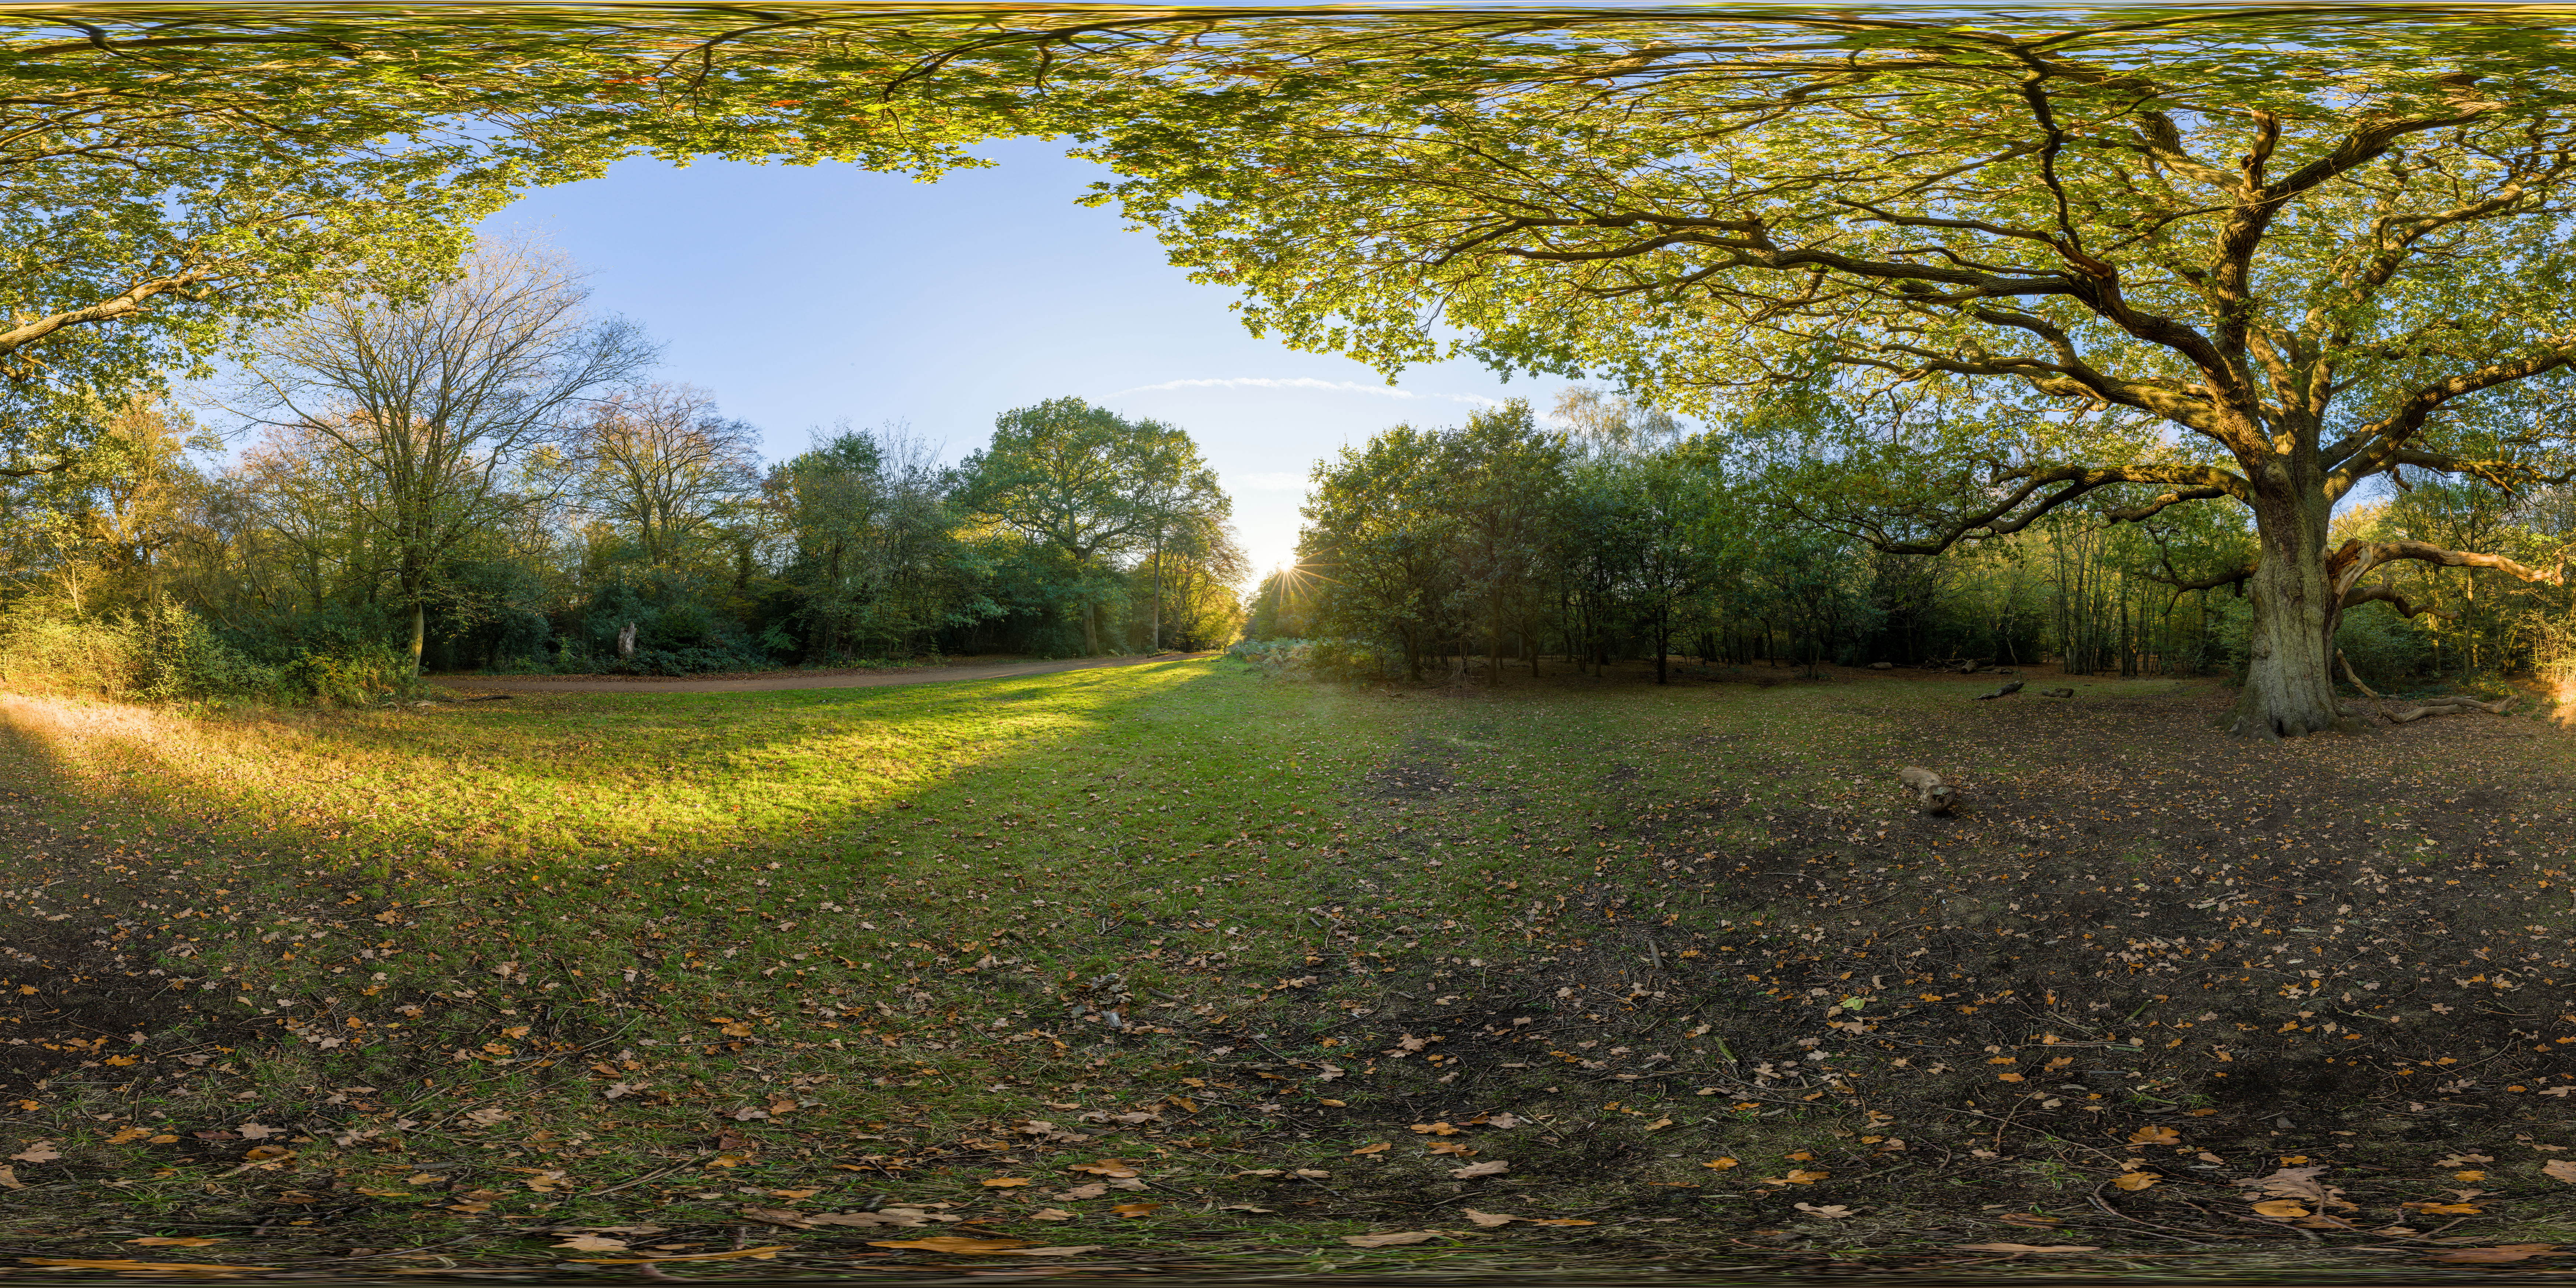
<point x="1608" y="534"/>
<point x="487" y="478"/>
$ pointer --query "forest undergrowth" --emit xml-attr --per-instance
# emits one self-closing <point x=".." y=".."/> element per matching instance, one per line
<point x="1177" y="968"/>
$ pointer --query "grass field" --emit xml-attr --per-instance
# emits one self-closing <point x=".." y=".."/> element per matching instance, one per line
<point x="776" y="974"/>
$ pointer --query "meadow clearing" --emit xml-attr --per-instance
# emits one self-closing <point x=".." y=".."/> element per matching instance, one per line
<point x="1177" y="965"/>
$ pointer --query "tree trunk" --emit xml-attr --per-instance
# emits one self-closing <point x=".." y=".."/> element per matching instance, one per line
<point x="419" y="632"/>
<point x="2289" y="686"/>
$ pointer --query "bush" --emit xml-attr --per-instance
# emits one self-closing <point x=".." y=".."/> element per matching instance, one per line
<point x="1325" y="659"/>
<point x="164" y="654"/>
<point x="353" y="675"/>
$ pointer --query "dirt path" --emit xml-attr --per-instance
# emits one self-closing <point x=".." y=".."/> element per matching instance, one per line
<point x="843" y="680"/>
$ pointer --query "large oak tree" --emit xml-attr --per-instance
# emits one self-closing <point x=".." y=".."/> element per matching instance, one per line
<point x="2311" y="247"/>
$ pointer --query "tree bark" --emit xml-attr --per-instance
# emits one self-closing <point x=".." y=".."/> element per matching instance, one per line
<point x="2289" y="680"/>
<point x="419" y="632"/>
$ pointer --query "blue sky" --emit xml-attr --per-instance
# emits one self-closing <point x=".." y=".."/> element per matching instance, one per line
<point x="806" y="296"/>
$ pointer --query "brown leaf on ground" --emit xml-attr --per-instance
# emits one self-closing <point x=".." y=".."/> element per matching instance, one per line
<point x="1434" y="1129"/>
<point x="1829" y="1211"/>
<point x="904" y="1220"/>
<point x="9" y="1179"/>
<point x="1246" y="1207"/>
<point x="159" y="1268"/>
<point x="1073" y="1251"/>
<point x="1105" y="1167"/>
<point x="953" y="1243"/>
<point x="1719" y="1164"/>
<point x="1473" y="1170"/>
<point x="1050" y="1214"/>
<point x="1390" y="1240"/>
<point x="777" y="1216"/>
<point x="1004" y="1182"/>
<point x="2280" y="1208"/>
<point x="129" y="1135"/>
<point x="1137" y="1209"/>
<point x="1489" y="1220"/>
<point x="2560" y="1169"/>
<point x="1378" y="1148"/>
<point x="42" y="1151"/>
<point x="2024" y="1249"/>
<point x="764" y="1252"/>
<point x="2134" y="1181"/>
<point x="1092" y="1191"/>
<point x="2155" y="1136"/>
<point x="2490" y="1256"/>
<point x="593" y="1243"/>
<point x="1452" y="1148"/>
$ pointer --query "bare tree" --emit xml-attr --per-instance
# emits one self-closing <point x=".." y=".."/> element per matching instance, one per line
<point x="435" y="403"/>
<point x="663" y="463"/>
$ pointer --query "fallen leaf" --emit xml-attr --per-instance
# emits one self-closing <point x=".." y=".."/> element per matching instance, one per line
<point x="1316" y="1174"/>
<point x="1434" y="1129"/>
<point x="777" y="1216"/>
<point x="1073" y="1251"/>
<point x="1246" y="1207"/>
<point x="9" y="1179"/>
<point x="2136" y="1180"/>
<point x="1378" y="1148"/>
<point x="254" y="1131"/>
<point x="2032" y="1219"/>
<point x="129" y="1135"/>
<point x="2280" y="1208"/>
<point x="2471" y="1174"/>
<point x="2155" y="1136"/>
<point x="592" y="1243"/>
<point x="1556" y="1220"/>
<point x="954" y="1243"/>
<point x="2020" y="1249"/>
<point x="487" y="1117"/>
<point x="1488" y="1220"/>
<point x="1452" y="1148"/>
<point x="1473" y="1170"/>
<point x="762" y="1253"/>
<point x="2446" y="1209"/>
<point x="1105" y="1167"/>
<point x="1137" y="1209"/>
<point x="143" y="1267"/>
<point x="1720" y="1164"/>
<point x="1830" y="1211"/>
<point x="42" y="1151"/>
<point x="174" y="1241"/>
<point x="2502" y="1252"/>
<point x="1390" y="1240"/>
<point x="1005" y="1182"/>
<point x="1800" y="1176"/>
<point x="903" y="1218"/>
<point x="269" y="1153"/>
<point x="2560" y="1169"/>
<point x="1091" y="1191"/>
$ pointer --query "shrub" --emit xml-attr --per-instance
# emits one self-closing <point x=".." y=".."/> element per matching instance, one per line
<point x="1325" y="659"/>
<point x="163" y="654"/>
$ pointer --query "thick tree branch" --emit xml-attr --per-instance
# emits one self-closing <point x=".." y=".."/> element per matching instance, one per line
<point x="125" y="304"/>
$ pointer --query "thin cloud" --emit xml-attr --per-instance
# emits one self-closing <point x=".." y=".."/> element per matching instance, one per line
<point x="1271" y="482"/>
<point x="1305" y="382"/>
